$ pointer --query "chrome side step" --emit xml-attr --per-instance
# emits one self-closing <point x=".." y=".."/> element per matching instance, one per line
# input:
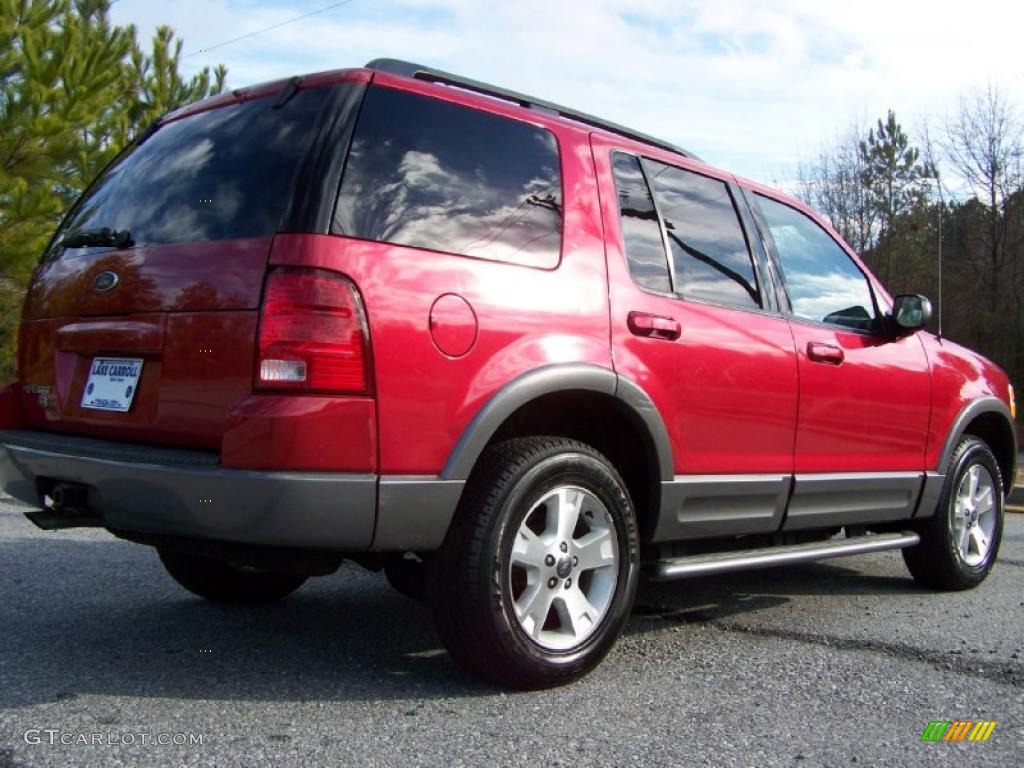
<point x="741" y="560"/>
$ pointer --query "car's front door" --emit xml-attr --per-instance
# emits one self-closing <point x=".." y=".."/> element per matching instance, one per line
<point x="865" y="397"/>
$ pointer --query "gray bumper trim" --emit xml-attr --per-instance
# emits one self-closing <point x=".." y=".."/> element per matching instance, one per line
<point x="187" y="498"/>
<point x="414" y="512"/>
<point x="110" y="450"/>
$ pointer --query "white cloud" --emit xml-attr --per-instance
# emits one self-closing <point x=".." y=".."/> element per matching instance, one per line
<point x="750" y="85"/>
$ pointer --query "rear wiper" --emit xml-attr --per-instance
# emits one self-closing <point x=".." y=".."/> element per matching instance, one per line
<point x="98" y="238"/>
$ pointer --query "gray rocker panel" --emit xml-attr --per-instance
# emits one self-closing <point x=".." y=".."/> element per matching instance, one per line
<point x="826" y="500"/>
<point x="701" y="506"/>
<point x="708" y="506"/>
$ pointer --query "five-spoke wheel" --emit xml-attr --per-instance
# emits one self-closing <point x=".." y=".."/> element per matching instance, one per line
<point x="563" y="569"/>
<point x="960" y="541"/>
<point x="537" y="575"/>
<point x="974" y="515"/>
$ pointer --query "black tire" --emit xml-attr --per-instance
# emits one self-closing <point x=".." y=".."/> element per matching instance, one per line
<point x="408" y="576"/>
<point x="471" y="589"/>
<point x="938" y="562"/>
<point x="221" y="582"/>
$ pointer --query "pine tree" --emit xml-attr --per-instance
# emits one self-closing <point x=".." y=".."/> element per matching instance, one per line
<point x="892" y="176"/>
<point x="74" y="90"/>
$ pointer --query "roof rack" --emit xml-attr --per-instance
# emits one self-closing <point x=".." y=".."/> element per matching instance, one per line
<point x="420" y="72"/>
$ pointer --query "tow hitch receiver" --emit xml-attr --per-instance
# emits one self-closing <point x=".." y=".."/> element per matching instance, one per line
<point x="65" y="505"/>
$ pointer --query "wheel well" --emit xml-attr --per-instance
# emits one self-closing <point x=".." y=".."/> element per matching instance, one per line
<point x="998" y="435"/>
<point x="608" y="425"/>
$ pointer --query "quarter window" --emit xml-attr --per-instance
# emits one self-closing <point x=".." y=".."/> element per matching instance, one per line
<point x="710" y="257"/>
<point x="641" y="231"/>
<point x="823" y="282"/>
<point x="431" y="174"/>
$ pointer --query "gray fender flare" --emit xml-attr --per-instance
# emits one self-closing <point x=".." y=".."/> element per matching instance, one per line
<point x="968" y="414"/>
<point x="546" y="380"/>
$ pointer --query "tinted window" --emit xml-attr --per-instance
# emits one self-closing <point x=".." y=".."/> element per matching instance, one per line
<point x="710" y="257"/>
<point x="823" y="282"/>
<point x="427" y="173"/>
<point x="222" y="173"/>
<point x="641" y="231"/>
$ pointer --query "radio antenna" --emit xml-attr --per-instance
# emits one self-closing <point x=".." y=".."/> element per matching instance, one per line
<point x="942" y="204"/>
<point x="933" y="175"/>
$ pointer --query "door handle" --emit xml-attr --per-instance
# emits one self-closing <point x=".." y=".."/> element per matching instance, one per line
<point x="829" y="354"/>
<point x="653" y="326"/>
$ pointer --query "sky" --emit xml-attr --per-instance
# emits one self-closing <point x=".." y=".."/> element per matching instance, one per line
<point x="752" y="86"/>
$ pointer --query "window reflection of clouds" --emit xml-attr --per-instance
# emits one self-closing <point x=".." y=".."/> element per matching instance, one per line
<point x="709" y="252"/>
<point x="823" y="282"/>
<point x="641" y="231"/>
<point x="434" y="175"/>
<point x="242" y="157"/>
<point x="823" y="295"/>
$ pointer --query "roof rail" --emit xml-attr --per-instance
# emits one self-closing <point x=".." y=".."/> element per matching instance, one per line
<point x="420" y="72"/>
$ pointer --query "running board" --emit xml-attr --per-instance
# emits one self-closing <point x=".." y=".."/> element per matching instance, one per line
<point x="741" y="560"/>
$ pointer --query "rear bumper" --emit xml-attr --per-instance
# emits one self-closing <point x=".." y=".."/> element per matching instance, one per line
<point x="171" y="492"/>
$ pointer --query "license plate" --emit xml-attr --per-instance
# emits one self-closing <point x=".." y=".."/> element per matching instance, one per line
<point x="112" y="383"/>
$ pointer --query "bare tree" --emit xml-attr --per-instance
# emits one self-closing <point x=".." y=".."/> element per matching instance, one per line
<point x="833" y="185"/>
<point x="985" y="146"/>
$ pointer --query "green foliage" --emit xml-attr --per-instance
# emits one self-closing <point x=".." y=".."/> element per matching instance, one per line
<point x="879" y="194"/>
<point x="891" y="177"/>
<point x="74" y="90"/>
<point x="891" y="171"/>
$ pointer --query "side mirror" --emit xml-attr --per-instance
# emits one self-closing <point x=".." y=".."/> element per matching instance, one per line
<point x="910" y="312"/>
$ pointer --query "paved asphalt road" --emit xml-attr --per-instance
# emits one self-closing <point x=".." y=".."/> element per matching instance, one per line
<point x="834" y="664"/>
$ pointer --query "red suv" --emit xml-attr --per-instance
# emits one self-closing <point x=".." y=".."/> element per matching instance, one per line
<point x="511" y="354"/>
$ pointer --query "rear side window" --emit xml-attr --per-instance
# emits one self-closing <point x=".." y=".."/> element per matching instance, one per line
<point x="427" y="173"/>
<point x="710" y="257"/>
<point x="641" y="230"/>
<point x="823" y="282"/>
<point x="223" y="173"/>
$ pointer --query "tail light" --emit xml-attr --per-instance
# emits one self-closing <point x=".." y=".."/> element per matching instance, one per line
<point x="313" y="335"/>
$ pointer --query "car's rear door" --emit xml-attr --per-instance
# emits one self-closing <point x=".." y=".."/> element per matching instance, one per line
<point x="694" y="323"/>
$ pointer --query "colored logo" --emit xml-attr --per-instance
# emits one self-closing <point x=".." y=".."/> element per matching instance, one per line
<point x="105" y="281"/>
<point x="958" y="730"/>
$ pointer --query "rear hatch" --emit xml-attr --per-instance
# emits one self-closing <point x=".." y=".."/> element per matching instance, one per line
<point x="141" y="320"/>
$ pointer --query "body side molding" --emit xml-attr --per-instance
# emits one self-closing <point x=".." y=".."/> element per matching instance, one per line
<point x="843" y="498"/>
<point x="709" y="506"/>
<point x="546" y="380"/>
<point x="702" y="506"/>
<point x="933" y="482"/>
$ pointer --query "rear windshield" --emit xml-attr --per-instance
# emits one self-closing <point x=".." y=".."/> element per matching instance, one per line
<point x="223" y="173"/>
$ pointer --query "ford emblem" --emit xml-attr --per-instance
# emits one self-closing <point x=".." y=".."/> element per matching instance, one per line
<point x="105" y="281"/>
